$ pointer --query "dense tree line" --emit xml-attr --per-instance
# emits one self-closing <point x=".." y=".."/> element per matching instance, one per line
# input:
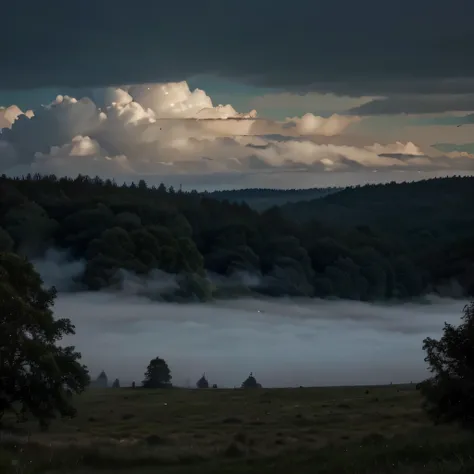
<point x="364" y="243"/>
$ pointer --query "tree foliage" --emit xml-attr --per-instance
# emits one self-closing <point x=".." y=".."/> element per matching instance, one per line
<point x="250" y="382"/>
<point x="6" y="242"/>
<point x="157" y="375"/>
<point x="367" y="243"/>
<point x="449" y="393"/>
<point x="202" y="382"/>
<point x="36" y="375"/>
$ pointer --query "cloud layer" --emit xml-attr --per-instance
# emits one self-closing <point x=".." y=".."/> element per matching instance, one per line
<point x="405" y="45"/>
<point x="161" y="130"/>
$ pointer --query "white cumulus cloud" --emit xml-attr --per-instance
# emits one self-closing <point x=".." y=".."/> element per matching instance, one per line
<point x="159" y="130"/>
<point x="8" y="115"/>
<point x="81" y="154"/>
<point x="310" y="124"/>
<point x="397" y="148"/>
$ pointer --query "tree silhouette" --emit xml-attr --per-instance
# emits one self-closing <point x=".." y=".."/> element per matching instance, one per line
<point x="202" y="382"/>
<point x="116" y="383"/>
<point x="449" y="394"/>
<point x="250" y="382"/>
<point x="37" y="377"/>
<point x="102" y="380"/>
<point x="157" y="375"/>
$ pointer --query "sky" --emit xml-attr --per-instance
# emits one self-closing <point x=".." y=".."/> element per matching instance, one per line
<point x="222" y="95"/>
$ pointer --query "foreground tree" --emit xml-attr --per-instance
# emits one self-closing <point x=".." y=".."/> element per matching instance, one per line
<point x="157" y="375"/>
<point x="37" y="378"/>
<point x="449" y="394"/>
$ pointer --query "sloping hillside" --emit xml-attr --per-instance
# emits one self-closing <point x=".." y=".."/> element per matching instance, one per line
<point x="437" y="205"/>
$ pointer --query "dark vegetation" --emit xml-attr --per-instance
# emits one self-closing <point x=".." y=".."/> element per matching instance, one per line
<point x="250" y="382"/>
<point x="353" y="430"/>
<point x="449" y="393"/>
<point x="376" y="242"/>
<point x="371" y="430"/>
<point x="157" y="375"/>
<point x="202" y="382"/>
<point x="37" y="377"/>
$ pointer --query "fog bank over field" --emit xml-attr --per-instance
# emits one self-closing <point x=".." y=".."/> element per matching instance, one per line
<point x="284" y="342"/>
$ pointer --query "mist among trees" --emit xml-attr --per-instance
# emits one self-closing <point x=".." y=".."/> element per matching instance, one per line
<point x="369" y="243"/>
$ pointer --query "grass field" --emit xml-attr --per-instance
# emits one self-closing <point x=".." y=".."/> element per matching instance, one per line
<point x="372" y="430"/>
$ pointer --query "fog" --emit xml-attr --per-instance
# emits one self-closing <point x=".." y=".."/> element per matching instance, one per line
<point x="283" y="342"/>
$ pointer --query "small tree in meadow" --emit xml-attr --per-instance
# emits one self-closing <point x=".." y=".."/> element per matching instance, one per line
<point x="202" y="382"/>
<point x="250" y="382"/>
<point x="157" y="375"/>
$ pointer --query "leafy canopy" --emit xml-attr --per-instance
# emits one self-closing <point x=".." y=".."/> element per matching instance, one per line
<point x="202" y="382"/>
<point x="250" y="382"/>
<point x="37" y="377"/>
<point x="449" y="394"/>
<point x="157" y="375"/>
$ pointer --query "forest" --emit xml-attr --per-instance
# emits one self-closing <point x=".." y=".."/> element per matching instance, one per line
<point x="368" y="243"/>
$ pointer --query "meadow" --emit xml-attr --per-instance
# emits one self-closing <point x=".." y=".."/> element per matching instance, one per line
<point x="371" y="430"/>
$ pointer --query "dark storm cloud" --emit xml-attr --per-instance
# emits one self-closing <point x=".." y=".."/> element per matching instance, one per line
<point x="416" y="104"/>
<point x="342" y="46"/>
<point x="449" y="121"/>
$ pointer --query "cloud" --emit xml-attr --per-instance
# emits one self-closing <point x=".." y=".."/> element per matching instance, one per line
<point x="407" y="46"/>
<point x="447" y="120"/>
<point x="310" y="124"/>
<point x="397" y="148"/>
<point x="456" y="150"/>
<point x="8" y="115"/>
<point x="322" y="104"/>
<point x="306" y="154"/>
<point x="157" y="131"/>
<point x="416" y="104"/>
<point x="78" y="156"/>
<point x="460" y="154"/>
<point x="175" y="100"/>
<point x="53" y="125"/>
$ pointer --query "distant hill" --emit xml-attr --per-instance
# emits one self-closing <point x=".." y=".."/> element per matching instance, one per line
<point x="261" y="199"/>
<point x="435" y="205"/>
